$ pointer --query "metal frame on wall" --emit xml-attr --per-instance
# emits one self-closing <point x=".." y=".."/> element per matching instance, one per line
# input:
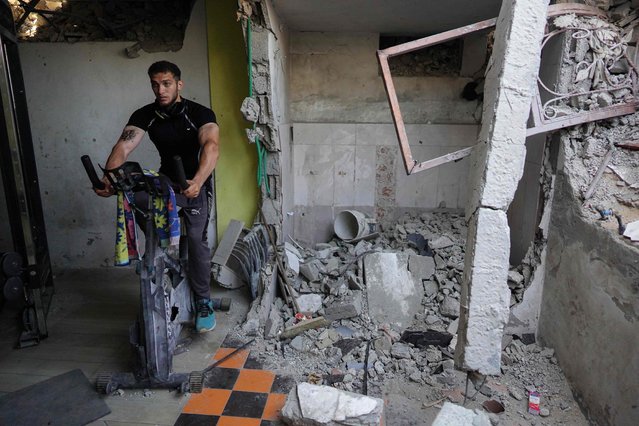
<point x="541" y="121"/>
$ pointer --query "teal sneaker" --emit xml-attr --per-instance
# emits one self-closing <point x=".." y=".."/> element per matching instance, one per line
<point x="205" y="317"/>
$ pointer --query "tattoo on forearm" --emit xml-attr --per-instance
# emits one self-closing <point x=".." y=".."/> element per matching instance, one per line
<point x="127" y="135"/>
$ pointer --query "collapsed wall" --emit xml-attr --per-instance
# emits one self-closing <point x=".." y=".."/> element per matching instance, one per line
<point x="498" y="163"/>
<point x="590" y="306"/>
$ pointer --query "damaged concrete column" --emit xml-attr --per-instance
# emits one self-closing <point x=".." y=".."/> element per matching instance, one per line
<point x="498" y="164"/>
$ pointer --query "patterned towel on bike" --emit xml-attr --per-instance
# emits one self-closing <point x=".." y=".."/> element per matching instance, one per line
<point x="165" y="218"/>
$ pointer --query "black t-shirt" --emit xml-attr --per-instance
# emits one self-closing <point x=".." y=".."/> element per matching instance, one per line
<point x="174" y="134"/>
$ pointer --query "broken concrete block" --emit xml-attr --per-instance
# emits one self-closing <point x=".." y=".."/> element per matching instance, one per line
<point x="311" y="270"/>
<point x="422" y="267"/>
<point x="441" y="242"/>
<point x="433" y="355"/>
<point x="301" y="344"/>
<point x="383" y="344"/>
<point x="394" y="296"/>
<point x="293" y="257"/>
<point x="449" y="307"/>
<point x="347" y="345"/>
<point x="250" y="109"/>
<point x="313" y="405"/>
<point x="327" y="338"/>
<point x="335" y="287"/>
<point x="515" y="277"/>
<point x="430" y="288"/>
<point x="274" y="324"/>
<point x="485" y="314"/>
<point x="354" y="282"/>
<point x="348" y="308"/>
<point x="400" y="351"/>
<point x="309" y="303"/>
<point x="456" y="415"/>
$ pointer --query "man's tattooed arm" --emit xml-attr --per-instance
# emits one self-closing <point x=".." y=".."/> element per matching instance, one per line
<point x="127" y="135"/>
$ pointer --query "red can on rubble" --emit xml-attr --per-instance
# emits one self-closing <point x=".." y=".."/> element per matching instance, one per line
<point x="533" y="402"/>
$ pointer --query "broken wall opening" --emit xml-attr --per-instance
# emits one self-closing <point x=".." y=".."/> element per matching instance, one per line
<point x="155" y="25"/>
<point x="535" y="212"/>
<point x="343" y="140"/>
<point x="590" y="302"/>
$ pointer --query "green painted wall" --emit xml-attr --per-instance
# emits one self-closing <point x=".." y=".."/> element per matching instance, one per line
<point x="235" y="175"/>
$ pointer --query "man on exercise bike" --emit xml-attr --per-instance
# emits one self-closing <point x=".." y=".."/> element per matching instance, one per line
<point x="181" y="127"/>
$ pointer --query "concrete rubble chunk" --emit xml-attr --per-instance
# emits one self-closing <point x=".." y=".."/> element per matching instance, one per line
<point x="400" y="351"/>
<point x="430" y="288"/>
<point x="486" y="313"/>
<point x="383" y="343"/>
<point x="273" y="324"/>
<point x="327" y="338"/>
<point x="301" y="344"/>
<point x="348" y="308"/>
<point x="311" y="270"/>
<point x="441" y="242"/>
<point x="314" y="405"/>
<point x="515" y="277"/>
<point x="250" y="109"/>
<point x="449" y="307"/>
<point x="310" y="303"/>
<point x="422" y="267"/>
<point x="392" y="290"/>
<point x="456" y="415"/>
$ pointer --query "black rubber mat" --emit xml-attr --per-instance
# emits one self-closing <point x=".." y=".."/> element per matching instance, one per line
<point x="67" y="399"/>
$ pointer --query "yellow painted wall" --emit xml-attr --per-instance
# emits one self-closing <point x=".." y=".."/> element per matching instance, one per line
<point x="235" y="175"/>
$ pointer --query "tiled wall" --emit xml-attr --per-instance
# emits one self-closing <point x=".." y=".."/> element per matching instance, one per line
<point x="334" y="167"/>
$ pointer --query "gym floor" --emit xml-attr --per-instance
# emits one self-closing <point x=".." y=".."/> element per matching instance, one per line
<point x="88" y="329"/>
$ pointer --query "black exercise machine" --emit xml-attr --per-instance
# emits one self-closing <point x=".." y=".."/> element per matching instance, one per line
<point x="166" y="300"/>
<point x="26" y="278"/>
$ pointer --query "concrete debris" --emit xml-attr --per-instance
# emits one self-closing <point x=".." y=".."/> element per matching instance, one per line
<point x="293" y="257"/>
<point x="632" y="231"/>
<point x="348" y="308"/>
<point x="160" y="31"/>
<point x="310" y="303"/>
<point x="455" y="415"/>
<point x="392" y="290"/>
<point x="422" y="267"/>
<point x="250" y="109"/>
<point x="400" y="351"/>
<point x="335" y="345"/>
<point x="449" y="307"/>
<point x="273" y="324"/>
<point x="311" y="270"/>
<point x="301" y="344"/>
<point x="314" y="405"/>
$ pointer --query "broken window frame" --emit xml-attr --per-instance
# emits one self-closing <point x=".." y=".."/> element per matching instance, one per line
<point x="540" y="124"/>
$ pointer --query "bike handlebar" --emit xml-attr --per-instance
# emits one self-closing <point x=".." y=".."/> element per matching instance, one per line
<point x="98" y="184"/>
<point x="93" y="176"/>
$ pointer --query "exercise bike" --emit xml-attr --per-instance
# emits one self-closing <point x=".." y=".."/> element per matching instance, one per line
<point x="166" y="299"/>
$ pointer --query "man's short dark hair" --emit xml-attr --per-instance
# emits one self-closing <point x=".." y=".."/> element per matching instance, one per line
<point x="165" y="66"/>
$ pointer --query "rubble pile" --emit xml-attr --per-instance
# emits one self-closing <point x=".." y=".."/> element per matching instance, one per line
<point x="150" y="22"/>
<point x="600" y="157"/>
<point x="598" y="71"/>
<point x="352" y="350"/>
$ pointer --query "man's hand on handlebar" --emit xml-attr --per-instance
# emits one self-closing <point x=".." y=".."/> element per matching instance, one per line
<point x="193" y="190"/>
<point x="108" y="189"/>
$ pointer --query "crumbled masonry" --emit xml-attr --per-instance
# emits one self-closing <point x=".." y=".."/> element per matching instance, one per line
<point x="336" y="353"/>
